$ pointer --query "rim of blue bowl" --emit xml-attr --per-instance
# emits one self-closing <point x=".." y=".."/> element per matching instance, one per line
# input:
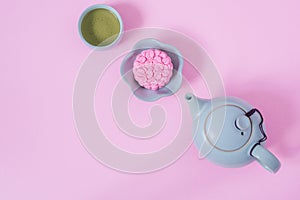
<point x="99" y="6"/>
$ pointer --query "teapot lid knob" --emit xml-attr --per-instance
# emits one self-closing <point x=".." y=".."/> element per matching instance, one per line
<point x="242" y="122"/>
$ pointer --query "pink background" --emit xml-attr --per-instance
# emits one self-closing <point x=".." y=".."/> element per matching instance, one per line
<point x="255" y="45"/>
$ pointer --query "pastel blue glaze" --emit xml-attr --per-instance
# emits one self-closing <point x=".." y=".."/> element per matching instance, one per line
<point x="226" y="136"/>
<point x="141" y="92"/>
<point x="111" y="9"/>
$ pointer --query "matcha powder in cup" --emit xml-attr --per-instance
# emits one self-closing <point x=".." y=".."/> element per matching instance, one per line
<point x="100" y="26"/>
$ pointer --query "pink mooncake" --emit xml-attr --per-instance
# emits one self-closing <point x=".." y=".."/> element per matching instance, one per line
<point x="152" y="69"/>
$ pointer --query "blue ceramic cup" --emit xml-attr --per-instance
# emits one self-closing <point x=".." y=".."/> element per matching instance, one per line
<point x="114" y="16"/>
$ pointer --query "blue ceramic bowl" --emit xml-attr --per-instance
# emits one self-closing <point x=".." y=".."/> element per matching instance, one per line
<point x="106" y="7"/>
<point x="147" y="94"/>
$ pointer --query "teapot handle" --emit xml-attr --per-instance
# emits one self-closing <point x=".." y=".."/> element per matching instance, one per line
<point x="265" y="158"/>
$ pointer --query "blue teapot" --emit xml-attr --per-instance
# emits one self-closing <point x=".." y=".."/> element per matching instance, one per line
<point x="230" y="132"/>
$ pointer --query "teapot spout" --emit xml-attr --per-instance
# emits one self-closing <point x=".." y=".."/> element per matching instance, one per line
<point x="196" y="104"/>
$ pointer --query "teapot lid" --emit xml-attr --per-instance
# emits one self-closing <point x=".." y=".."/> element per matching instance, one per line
<point x="227" y="128"/>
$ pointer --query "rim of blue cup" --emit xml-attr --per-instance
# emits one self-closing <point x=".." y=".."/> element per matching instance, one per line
<point x="100" y="6"/>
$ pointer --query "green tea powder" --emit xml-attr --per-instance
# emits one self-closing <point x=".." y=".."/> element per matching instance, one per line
<point x="100" y="27"/>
